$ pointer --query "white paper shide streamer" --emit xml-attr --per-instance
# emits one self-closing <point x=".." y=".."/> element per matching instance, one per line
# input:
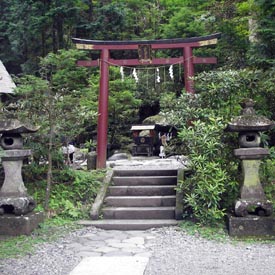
<point x="171" y="73"/>
<point x="135" y="75"/>
<point x="122" y="73"/>
<point x="157" y="76"/>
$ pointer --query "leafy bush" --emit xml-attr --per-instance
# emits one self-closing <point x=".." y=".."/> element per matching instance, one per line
<point x="213" y="186"/>
<point x="267" y="175"/>
<point x="72" y="193"/>
<point x="206" y="189"/>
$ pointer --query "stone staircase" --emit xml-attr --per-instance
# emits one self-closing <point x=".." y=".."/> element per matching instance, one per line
<point x="139" y="200"/>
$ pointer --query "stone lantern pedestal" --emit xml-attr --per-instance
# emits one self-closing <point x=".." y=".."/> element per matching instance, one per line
<point x="252" y="212"/>
<point x="16" y="206"/>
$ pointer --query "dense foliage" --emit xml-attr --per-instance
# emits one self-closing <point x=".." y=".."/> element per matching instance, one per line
<point x="32" y="29"/>
<point x="36" y="43"/>
<point x="72" y="191"/>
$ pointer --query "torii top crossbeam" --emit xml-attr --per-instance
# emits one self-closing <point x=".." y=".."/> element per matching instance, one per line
<point x="87" y="44"/>
<point x="144" y="48"/>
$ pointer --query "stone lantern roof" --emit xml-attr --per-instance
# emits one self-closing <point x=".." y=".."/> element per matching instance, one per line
<point x="14" y="126"/>
<point x="248" y="120"/>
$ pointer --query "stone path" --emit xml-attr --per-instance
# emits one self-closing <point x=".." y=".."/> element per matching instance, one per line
<point x="131" y="250"/>
<point x="163" y="251"/>
<point x="118" y="252"/>
<point x="113" y="243"/>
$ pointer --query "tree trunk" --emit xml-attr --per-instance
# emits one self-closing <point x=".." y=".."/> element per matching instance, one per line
<point x="50" y="168"/>
<point x="49" y="182"/>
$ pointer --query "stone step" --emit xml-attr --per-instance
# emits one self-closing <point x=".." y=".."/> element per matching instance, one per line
<point x="167" y="212"/>
<point x="146" y="201"/>
<point x="128" y="224"/>
<point x="145" y="172"/>
<point x="143" y="190"/>
<point x="144" y="180"/>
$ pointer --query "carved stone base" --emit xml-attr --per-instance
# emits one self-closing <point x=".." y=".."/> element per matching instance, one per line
<point x="11" y="225"/>
<point x="16" y="205"/>
<point x="251" y="226"/>
<point x="256" y="207"/>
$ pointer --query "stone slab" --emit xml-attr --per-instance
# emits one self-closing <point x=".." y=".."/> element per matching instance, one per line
<point x="129" y="224"/>
<point x="111" y="266"/>
<point x="251" y="153"/>
<point x="145" y="172"/>
<point x="144" y="180"/>
<point x="11" y="225"/>
<point x="251" y="226"/>
<point x="167" y="212"/>
<point x="143" y="190"/>
<point x="146" y="201"/>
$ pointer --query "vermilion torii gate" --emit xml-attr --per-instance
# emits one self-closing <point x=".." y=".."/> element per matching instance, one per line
<point x="144" y="48"/>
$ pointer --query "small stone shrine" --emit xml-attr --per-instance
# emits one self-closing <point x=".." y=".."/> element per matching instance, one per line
<point x="16" y="206"/>
<point x="252" y="210"/>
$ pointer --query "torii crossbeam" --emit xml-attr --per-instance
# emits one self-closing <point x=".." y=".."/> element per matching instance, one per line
<point x="144" y="48"/>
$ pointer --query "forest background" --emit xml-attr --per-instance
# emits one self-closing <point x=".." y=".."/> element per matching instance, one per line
<point x="36" y="47"/>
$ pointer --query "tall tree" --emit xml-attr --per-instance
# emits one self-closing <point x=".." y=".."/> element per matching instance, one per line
<point x="32" y="29"/>
<point x="53" y="102"/>
<point x="263" y="53"/>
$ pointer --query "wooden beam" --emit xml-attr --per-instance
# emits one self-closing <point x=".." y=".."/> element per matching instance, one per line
<point x="83" y="46"/>
<point x="86" y="44"/>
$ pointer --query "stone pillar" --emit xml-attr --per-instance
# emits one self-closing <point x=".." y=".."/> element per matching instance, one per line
<point x="16" y="206"/>
<point x="91" y="161"/>
<point x="252" y="212"/>
<point x="13" y="194"/>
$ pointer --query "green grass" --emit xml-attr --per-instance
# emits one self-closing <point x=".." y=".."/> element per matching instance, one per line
<point x="217" y="233"/>
<point x="50" y="230"/>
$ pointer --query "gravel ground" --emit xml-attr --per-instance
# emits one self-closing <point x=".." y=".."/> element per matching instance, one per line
<point x="49" y="259"/>
<point x="177" y="253"/>
<point x="173" y="253"/>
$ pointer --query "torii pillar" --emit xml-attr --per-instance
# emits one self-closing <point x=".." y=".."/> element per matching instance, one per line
<point x="102" y="125"/>
<point x="144" y="49"/>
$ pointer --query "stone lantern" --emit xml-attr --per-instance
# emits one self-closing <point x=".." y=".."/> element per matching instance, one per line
<point x="15" y="203"/>
<point x="252" y="203"/>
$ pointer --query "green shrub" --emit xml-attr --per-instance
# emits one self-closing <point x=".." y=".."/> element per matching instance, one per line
<point x="267" y="176"/>
<point x="72" y="192"/>
<point x="206" y="189"/>
<point x="201" y="118"/>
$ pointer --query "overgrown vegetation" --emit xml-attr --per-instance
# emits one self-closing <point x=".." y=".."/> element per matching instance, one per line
<point x="52" y="101"/>
<point x="213" y="186"/>
<point x="72" y="192"/>
<point x="62" y="98"/>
